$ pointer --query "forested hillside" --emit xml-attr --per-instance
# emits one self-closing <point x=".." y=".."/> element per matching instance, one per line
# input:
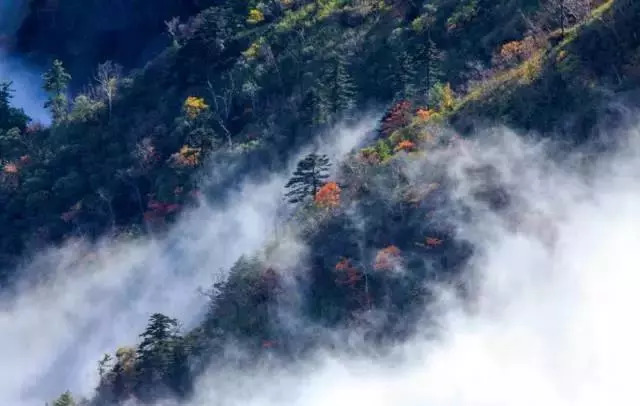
<point x="161" y="107"/>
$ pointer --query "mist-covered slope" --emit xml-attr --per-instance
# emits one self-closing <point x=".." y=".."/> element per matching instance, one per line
<point x="313" y="202"/>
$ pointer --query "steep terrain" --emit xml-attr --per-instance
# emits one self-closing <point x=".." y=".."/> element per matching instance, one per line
<point x="378" y="223"/>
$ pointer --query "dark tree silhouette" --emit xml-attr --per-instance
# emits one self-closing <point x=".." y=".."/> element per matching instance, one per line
<point x="309" y="176"/>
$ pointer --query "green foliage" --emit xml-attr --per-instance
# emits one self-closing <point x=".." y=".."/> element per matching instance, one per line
<point x="337" y="94"/>
<point x="10" y="117"/>
<point x="55" y="82"/>
<point x="65" y="400"/>
<point x="464" y="13"/>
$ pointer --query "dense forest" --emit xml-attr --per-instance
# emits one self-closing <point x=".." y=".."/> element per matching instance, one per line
<point x="160" y="108"/>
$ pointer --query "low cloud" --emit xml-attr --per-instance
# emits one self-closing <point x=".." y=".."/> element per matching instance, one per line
<point x="551" y="319"/>
<point x="88" y="300"/>
<point x="553" y="316"/>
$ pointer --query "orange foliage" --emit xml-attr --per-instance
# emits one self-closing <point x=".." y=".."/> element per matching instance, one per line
<point x="387" y="258"/>
<point x="398" y="117"/>
<point x="405" y="145"/>
<point x="424" y="114"/>
<point x="349" y="274"/>
<point x="515" y="52"/>
<point x="328" y="195"/>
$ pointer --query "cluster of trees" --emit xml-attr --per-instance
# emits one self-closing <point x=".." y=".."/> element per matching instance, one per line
<point x="241" y="81"/>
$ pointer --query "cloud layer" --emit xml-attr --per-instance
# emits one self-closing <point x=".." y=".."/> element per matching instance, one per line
<point x="90" y="299"/>
<point x="553" y="319"/>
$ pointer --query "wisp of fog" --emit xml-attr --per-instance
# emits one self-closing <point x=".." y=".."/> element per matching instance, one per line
<point x="90" y="299"/>
<point x="553" y="317"/>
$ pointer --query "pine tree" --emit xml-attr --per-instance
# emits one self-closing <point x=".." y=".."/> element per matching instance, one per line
<point x="309" y="176"/>
<point x="10" y="117"/>
<point x="65" y="400"/>
<point x="337" y="93"/>
<point x="155" y="354"/>
<point x="56" y="80"/>
<point x="432" y="71"/>
<point x="405" y="76"/>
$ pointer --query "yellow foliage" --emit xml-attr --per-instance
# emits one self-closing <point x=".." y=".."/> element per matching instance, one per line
<point x="187" y="156"/>
<point x="448" y="101"/>
<point x="255" y="16"/>
<point x="253" y="51"/>
<point x="194" y="106"/>
<point x="562" y="54"/>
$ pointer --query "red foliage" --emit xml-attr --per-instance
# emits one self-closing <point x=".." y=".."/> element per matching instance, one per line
<point x="159" y="210"/>
<point x="196" y="193"/>
<point x="10" y="168"/>
<point x="349" y="274"/>
<point x="398" y="117"/>
<point x="34" y="127"/>
<point x="387" y="258"/>
<point x="433" y="241"/>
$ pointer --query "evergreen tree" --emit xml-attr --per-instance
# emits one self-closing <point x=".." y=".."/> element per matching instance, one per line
<point x="432" y="72"/>
<point x="405" y="76"/>
<point x="10" y="117"/>
<point x="155" y="354"/>
<point x="65" y="400"/>
<point x="309" y="176"/>
<point x="337" y="93"/>
<point x="56" y="80"/>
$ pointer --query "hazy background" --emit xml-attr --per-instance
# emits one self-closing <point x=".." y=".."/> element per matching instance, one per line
<point x="26" y="77"/>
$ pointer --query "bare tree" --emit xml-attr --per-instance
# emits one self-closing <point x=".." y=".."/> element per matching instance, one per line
<point x="180" y="31"/>
<point x="563" y="13"/>
<point x="223" y="104"/>
<point x="106" y="197"/>
<point x="108" y="78"/>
